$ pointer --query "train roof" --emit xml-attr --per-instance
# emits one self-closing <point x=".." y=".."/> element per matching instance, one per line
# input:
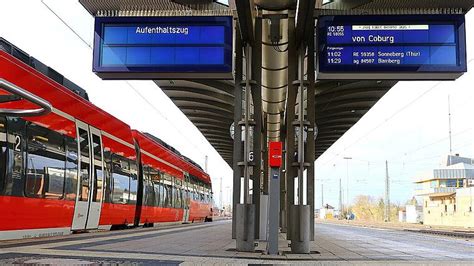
<point x="149" y="142"/>
<point x="160" y="141"/>
<point x="19" y="54"/>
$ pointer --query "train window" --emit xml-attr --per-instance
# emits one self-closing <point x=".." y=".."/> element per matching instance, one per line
<point x="175" y="197"/>
<point x="179" y="194"/>
<point x="146" y="184"/>
<point x="133" y="182"/>
<point x="171" y="191"/>
<point x="97" y="147"/>
<point x="148" y="190"/>
<point x="84" y="142"/>
<point x="97" y="193"/>
<point x="70" y="188"/>
<point x="188" y="197"/>
<point x="120" y="180"/>
<point x="3" y="152"/>
<point x="148" y="193"/>
<point x="84" y="181"/>
<point x="161" y="194"/>
<point x="169" y="196"/>
<point x="84" y="165"/>
<point x="46" y="163"/>
<point x="154" y="191"/>
<point x="167" y="200"/>
<point x="195" y="192"/>
<point x="153" y="177"/>
<point x="107" y="175"/>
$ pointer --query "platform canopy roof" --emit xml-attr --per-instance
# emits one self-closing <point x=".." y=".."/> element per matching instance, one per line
<point x="209" y="103"/>
<point x="124" y="7"/>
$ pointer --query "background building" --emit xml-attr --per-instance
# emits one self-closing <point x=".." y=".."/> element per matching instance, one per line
<point x="448" y="193"/>
<point x="413" y="214"/>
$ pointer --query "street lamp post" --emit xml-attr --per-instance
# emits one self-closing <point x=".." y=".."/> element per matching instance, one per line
<point x="347" y="182"/>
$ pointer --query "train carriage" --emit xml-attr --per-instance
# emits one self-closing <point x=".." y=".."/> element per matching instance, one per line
<point x="161" y="166"/>
<point x="79" y="168"/>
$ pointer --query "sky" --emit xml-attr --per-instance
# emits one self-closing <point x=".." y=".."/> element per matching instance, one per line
<point x="408" y="127"/>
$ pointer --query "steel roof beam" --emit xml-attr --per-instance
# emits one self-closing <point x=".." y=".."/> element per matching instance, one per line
<point x="348" y="92"/>
<point x="187" y="109"/>
<point x="210" y="130"/>
<point x="219" y="135"/>
<point x="218" y="105"/>
<point x="304" y="20"/>
<point x="187" y="90"/>
<point x="210" y="120"/>
<point x="349" y="111"/>
<point x="217" y="84"/>
<point x="245" y="20"/>
<point x="211" y="126"/>
<point x="222" y="143"/>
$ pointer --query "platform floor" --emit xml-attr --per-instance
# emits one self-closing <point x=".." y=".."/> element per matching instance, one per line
<point x="210" y="243"/>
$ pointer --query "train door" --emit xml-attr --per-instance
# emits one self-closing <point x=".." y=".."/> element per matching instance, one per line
<point x="187" y="198"/>
<point x="91" y="178"/>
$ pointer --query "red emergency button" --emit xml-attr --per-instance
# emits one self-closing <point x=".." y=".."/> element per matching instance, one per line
<point x="274" y="154"/>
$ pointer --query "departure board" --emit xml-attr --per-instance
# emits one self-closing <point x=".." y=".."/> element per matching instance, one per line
<point x="153" y="47"/>
<point x="401" y="44"/>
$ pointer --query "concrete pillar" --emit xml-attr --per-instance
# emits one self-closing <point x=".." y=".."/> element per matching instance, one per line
<point x="257" y="116"/>
<point x="283" y="184"/>
<point x="246" y="214"/>
<point x="238" y="152"/>
<point x="290" y="172"/>
<point x="311" y="117"/>
<point x="245" y="228"/>
<point x="273" y="222"/>
<point x="300" y="211"/>
<point x="265" y="158"/>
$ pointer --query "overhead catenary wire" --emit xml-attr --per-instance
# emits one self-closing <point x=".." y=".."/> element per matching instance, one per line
<point x="67" y="25"/>
<point x="388" y="118"/>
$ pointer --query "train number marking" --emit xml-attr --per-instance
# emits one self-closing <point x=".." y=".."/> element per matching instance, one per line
<point x="17" y="143"/>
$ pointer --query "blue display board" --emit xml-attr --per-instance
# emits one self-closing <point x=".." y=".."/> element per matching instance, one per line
<point x="163" y="47"/>
<point x="392" y="44"/>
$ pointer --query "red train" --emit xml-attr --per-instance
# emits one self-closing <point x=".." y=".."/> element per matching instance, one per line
<point x="79" y="168"/>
